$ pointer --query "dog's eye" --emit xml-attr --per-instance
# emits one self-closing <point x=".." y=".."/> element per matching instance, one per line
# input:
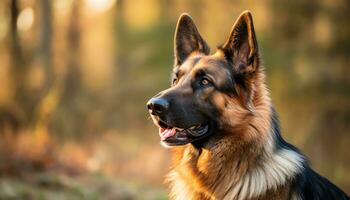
<point x="205" y="81"/>
<point x="174" y="81"/>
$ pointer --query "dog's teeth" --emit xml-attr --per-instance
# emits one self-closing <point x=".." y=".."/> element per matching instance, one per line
<point x="193" y="127"/>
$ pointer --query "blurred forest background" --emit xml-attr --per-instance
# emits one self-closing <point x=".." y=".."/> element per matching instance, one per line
<point x="76" y="74"/>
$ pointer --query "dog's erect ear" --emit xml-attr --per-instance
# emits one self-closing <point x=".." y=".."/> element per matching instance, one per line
<point x="187" y="39"/>
<point x="241" y="47"/>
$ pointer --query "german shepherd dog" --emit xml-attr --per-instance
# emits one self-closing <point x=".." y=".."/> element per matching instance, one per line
<point x="218" y="117"/>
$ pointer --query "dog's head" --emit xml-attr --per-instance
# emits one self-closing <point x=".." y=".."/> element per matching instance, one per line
<point x="207" y="88"/>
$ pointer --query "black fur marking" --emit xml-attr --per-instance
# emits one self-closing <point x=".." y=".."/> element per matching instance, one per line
<point x="227" y="53"/>
<point x="310" y="185"/>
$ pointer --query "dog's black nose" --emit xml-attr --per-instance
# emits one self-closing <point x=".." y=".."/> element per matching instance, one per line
<point x="157" y="106"/>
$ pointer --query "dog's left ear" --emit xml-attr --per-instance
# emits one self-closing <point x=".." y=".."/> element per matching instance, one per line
<point x="187" y="39"/>
<point x="241" y="47"/>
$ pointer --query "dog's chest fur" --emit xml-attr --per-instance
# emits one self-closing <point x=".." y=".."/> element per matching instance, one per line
<point x="182" y="190"/>
<point x="201" y="175"/>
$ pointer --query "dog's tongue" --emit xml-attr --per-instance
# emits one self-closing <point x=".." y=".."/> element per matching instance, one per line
<point x="165" y="133"/>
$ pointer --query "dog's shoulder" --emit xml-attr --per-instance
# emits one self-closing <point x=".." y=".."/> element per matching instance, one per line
<point x="311" y="185"/>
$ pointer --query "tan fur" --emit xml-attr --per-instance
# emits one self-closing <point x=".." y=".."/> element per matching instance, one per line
<point x="242" y="161"/>
<point x="228" y="166"/>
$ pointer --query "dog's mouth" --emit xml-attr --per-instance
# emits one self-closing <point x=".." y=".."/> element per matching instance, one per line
<point x="176" y="136"/>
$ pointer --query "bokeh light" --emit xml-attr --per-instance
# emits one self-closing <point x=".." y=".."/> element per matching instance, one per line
<point x="99" y="6"/>
<point x="25" y="19"/>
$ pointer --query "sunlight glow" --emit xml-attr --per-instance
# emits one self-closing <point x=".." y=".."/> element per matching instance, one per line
<point x="25" y="19"/>
<point x="63" y="7"/>
<point x="141" y="14"/>
<point x="99" y="6"/>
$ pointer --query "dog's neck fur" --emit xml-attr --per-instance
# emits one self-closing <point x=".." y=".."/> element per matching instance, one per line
<point x="234" y="168"/>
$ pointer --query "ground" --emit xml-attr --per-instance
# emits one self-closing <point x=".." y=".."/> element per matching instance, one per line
<point x="55" y="186"/>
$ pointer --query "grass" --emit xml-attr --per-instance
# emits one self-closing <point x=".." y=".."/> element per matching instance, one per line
<point x="54" y="186"/>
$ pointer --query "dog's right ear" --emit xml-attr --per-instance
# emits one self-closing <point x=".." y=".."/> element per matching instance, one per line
<point x="241" y="47"/>
<point x="187" y="39"/>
